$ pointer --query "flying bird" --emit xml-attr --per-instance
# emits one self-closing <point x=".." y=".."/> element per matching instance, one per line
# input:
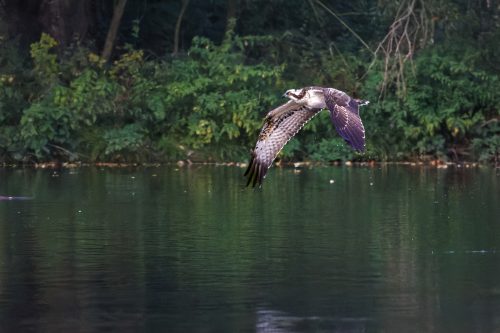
<point x="282" y="123"/>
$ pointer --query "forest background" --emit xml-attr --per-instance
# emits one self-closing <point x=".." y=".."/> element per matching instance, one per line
<point x="156" y="81"/>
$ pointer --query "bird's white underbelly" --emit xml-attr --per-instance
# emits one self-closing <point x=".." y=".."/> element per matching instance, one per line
<point x="316" y="102"/>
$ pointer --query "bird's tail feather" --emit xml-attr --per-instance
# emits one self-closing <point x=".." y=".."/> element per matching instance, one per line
<point x="362" y="102"/>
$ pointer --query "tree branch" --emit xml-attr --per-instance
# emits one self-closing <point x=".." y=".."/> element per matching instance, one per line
<point x="411" y="29"/>
<point x="345" y="25"/>
<point x="113" y="29"/>
<point x="178" y="26"/>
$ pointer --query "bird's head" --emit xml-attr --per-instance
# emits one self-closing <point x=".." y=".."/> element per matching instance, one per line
<point x="311" y="97"/>
<point x="295" y="94"/>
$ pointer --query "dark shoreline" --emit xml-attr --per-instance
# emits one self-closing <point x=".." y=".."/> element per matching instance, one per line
<point x="439" y="164"/>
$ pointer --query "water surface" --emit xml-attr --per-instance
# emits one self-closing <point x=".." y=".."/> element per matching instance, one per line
<point x="334" y="249"/>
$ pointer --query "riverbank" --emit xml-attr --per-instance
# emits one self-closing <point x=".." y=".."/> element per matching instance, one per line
<point x="439" y="164"/>
<point x="73" y="108"/>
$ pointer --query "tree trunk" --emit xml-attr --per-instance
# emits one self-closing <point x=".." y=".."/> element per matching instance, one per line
<point x="113" y="29"/>
<point x="65" y="20"/>
<point x="17" y="18"/>
<point x="62" y="19"/>
<point x="178" y="26"/>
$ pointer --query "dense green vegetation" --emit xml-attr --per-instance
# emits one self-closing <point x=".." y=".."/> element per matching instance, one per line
<point x="433" y="82"/>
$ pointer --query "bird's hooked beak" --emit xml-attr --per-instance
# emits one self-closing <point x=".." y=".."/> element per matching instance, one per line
<point x="295" y="94"/>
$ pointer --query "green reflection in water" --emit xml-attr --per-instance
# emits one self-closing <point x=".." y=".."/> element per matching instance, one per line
<point x="190" y="249"/>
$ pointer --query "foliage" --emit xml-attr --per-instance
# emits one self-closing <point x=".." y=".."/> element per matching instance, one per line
<point x="447" y="104"/>
<point x="486" y="143"/>
<point x="207" y="103"/>
<point x="45" y="63"/>
<point x="217" y="98"/>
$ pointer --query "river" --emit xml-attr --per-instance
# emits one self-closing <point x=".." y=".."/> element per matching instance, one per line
<point x="327" y="249"/>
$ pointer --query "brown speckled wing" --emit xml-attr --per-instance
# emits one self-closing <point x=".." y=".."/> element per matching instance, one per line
<point x="279" y="128"/>
<point x="347" y="122"/>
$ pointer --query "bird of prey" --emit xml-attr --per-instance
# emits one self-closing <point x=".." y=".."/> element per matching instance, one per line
<point x="282" y="123"/>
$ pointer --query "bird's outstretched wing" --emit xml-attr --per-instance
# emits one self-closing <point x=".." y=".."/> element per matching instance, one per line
<point x="280" y="125"/>
<point x="345" y="117"/>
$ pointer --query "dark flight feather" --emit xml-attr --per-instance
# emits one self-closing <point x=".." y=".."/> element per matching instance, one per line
<point x="345" y="117"/>
<point x="280" y="126"/>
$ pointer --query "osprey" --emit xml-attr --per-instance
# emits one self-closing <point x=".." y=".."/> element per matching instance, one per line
<point x="282" y="123"/>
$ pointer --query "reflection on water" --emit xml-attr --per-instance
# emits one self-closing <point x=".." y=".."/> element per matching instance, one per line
<point x="390" y="249"/>
<point x="269" y="321"/>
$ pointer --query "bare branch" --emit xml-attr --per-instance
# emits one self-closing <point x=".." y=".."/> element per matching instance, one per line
<point x="345" y="25"/>
<point x="178" y="26"/>
<point x="411" y="30"/>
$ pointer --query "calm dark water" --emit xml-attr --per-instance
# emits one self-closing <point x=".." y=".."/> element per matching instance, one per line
<point x="392" y="249"/>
